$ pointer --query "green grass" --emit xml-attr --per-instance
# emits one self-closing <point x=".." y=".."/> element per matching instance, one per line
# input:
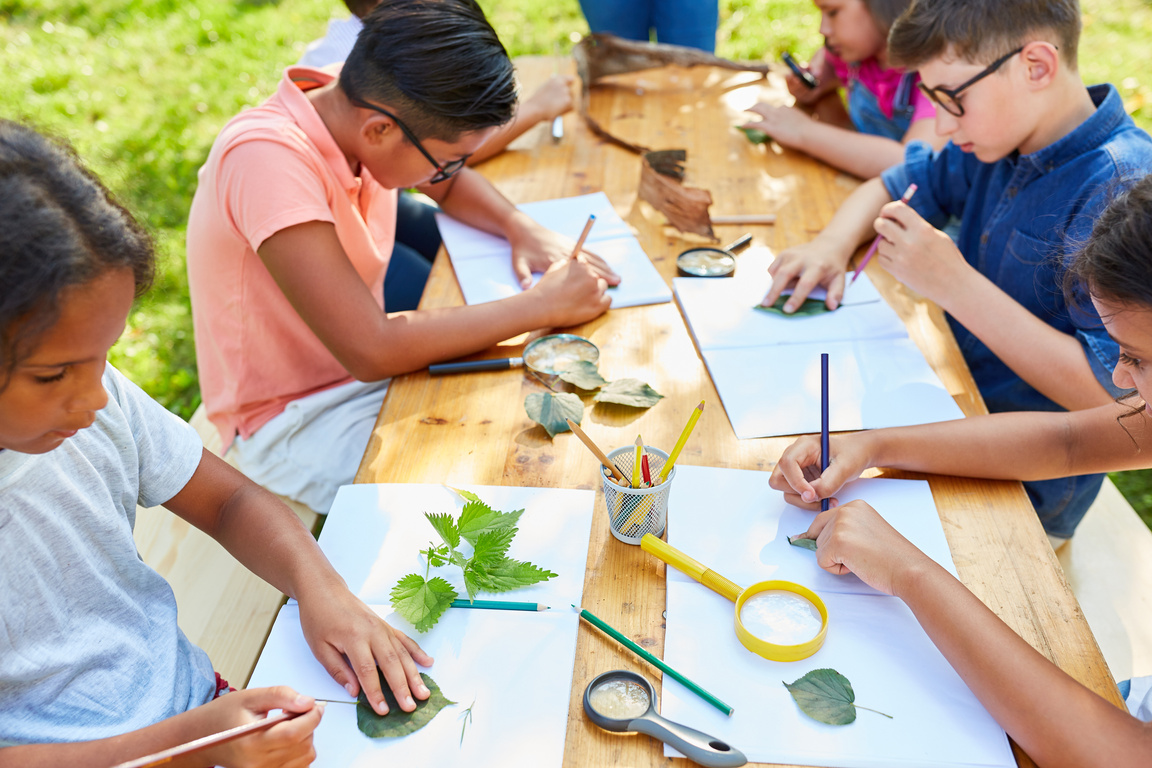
<point x="141" y="87"/>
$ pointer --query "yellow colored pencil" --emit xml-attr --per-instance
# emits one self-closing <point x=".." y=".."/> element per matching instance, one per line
<point x="636" y="462"/>
<point x="683" y="439"/>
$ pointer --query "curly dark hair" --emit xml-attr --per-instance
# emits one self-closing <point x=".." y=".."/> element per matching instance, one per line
<point x="60" y="228"/>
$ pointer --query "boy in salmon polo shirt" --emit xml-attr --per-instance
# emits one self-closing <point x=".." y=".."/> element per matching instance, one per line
<point x="292" y="226"/>
<point x="1033" y="157"/>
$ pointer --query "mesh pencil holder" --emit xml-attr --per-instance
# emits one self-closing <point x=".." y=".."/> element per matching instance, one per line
<point x="633" y="512"/>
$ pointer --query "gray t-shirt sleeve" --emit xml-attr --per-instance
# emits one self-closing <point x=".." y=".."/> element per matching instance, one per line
<point x="168" y="450"/>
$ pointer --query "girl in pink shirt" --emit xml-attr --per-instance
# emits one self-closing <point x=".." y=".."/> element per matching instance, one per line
<point x="885" y="109"/>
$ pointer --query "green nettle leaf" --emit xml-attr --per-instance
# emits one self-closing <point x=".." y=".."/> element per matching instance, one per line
<point x="807" y="309"/>
<point x="478" y="518"/>
<point x="466" y="495"/>
<point x="755" y="135"/>
<point x="584" y="374"/>
<point x="631" y="392"/>
<point x="552" y="409"/>
<point x="437" y="556"/>
<point x="491" y="547"/>
<point x="508" y="574"/>
<point x="827" y="696"/>
<point x="398" y="722"/>
<point x="798" y="541"/>
<point x="422" y="602"/>
<point x="446" y="527"/>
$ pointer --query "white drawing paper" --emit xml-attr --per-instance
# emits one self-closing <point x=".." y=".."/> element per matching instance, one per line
<point x="766" y="367"/>
<point x="517" y="666"/>
<point x="483" y="262"/>
<point x="873" y="639"/>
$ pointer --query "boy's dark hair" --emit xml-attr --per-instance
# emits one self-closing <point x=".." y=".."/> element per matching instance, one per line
<point x="981" y="30"/>
<point x="1115" y="264"/>
<point x="360" y="8"/>
<point x="61" y="229"/>
<point x="437" y="63"/>
<point x="885" y="12"/>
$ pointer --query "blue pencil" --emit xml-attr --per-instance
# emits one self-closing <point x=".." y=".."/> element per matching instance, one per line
<point x="824" y="450"/>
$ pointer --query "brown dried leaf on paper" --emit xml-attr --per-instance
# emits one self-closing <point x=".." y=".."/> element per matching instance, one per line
<point x="685" y="207"/>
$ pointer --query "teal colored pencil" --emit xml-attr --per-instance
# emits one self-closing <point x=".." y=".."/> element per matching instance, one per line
<point x="499" y="605"/>
<point x="607" y="629"/>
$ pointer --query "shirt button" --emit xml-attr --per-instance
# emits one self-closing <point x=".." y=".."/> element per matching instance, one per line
<point x="1011" y="191"/>
<point x="984" y="239"/>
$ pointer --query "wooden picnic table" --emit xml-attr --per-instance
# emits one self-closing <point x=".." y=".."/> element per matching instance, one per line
<point x="472" y="429"/>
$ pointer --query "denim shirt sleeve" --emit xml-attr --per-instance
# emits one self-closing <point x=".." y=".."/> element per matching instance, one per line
<point x="942" y="181"/>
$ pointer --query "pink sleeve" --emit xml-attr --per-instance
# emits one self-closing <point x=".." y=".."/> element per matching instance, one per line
<point x="922" y="106"/>
<point x="266" y="186"/>
<point x="838" y="66"/>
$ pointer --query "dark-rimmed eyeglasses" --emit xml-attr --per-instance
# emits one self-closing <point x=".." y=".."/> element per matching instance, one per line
<point x="949" y="98"/>
<point x="443" y="172"/>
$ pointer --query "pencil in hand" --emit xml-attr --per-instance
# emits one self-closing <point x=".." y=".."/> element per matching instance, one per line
<point x="583" y="236"/>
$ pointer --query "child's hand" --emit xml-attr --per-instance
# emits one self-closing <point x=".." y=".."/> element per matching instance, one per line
<point x="826" y="80"/>
<point x="854" y="538"/>
<point x="572" y="292"/>
<point x="787" y="125"/>
<point x="284" y="745"/>
<point x="798" y="475"/>
<point x="919" y="255"/>
<point x="804" y="267"/>
<point x="536" y="249"/>
<point x="351" y="641"/>
<point x="552" y="99"/>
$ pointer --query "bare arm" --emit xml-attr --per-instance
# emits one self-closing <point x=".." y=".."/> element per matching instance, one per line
<point x="347" y="637"/>
<point x="287" y="744"/>
<point x="1006" y="446"/>
<point x="822" y="261"/>
<point x="1057" y="721"/>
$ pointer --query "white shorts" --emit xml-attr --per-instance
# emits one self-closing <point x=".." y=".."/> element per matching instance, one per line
<point x="315" y="445"/>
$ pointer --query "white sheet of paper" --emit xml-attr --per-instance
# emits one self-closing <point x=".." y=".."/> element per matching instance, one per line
<point x="722" y="315"/>
<point x="374" y="535"/>
<point x="775" y="390"/>
<point x="873" y="639"/>
<point x="758" y="547"/>
<point x="516" y="667"/>
<point x="483" y="262"/>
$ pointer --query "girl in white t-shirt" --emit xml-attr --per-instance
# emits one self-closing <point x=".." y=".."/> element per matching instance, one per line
<point x="93" y="668"/>
<point x="1055" y="719"/>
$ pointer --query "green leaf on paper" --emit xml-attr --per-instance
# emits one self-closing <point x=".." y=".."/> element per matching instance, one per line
<point x="446" y="527"/>
<point x="478" y="518"/>
<point x="631" y="392"/>
<point x="552" y="409"/>
<point x="422" y="602"/>
<point x="466" y="495"/>
<point x="827" y="696"/>
<point x="436" y="556"/>
<point x="755" y="135"/>
<point x="803" y="543"/>
<point x="398" y="722"/>
<point x="508" y="574"/>
<point x="807" y="309"/>
<point x="584" y="374"/>
<point x="491" y="547"/>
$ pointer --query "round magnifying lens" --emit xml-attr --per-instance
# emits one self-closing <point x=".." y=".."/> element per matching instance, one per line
<point x="780" y="617"/>
<point x="559" y="352"/>
<point x="621" y="698"/>
<point x="706" y="262"/>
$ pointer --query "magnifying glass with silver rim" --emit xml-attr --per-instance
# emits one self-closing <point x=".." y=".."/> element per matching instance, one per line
<point x="547" y="356"/>
<point x="625" y="702"/>
<point x="711" y="262"/>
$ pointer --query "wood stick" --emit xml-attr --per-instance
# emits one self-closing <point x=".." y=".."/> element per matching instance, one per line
<point x="197" y="745"/>
<point x="746" y="218"/>
<point x="617" y="475"/>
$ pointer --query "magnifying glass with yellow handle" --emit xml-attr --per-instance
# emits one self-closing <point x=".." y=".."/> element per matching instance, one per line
<point x="779" y="620"/>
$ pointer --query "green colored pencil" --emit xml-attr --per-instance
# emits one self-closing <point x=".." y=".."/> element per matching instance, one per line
<point x="499" y="605"/>
<point x="599" y="623"/>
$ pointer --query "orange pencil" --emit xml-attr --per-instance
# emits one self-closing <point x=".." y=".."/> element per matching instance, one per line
<point x="583" y="236"/>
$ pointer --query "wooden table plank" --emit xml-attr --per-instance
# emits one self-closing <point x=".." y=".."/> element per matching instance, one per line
<point x="472" y="429"/>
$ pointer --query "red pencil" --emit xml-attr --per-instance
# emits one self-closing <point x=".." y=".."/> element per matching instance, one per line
<point x="644" y="469"/>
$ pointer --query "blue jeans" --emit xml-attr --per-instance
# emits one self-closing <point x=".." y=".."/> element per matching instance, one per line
<point x="864" y="109"/>
<point x="690" y="23"/>
<point x="417" y="240"/>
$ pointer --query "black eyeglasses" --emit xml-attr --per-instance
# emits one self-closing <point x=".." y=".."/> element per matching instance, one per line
<point x="443" y="172"/>
<point x="949" y="98"/>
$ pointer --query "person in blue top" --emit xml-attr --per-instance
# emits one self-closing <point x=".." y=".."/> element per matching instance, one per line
<point x="1033" y="157"/>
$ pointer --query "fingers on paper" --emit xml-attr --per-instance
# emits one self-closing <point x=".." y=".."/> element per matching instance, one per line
<point x="414" y="650"/>
<point x="523" y="271"/>
<point x="337" y="667"/>
<point x="600" y="267"/>
<point x="399" y="671"/>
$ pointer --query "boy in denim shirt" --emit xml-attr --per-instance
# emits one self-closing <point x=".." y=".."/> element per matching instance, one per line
<point x="1033" y="158"/>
